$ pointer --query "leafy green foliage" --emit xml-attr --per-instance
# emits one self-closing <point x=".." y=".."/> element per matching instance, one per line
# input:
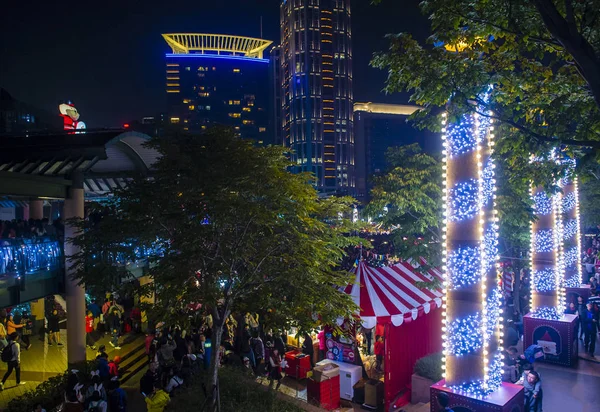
<point x="541" y="57"/>
<point x="236" y="232"/>
<point x="411" y="191"/>
<point x="50" y="393"/>
<point x="430" y="367"/>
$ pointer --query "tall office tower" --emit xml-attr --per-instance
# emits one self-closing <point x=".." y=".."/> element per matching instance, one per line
<point x="218" y="79"/>
<point x="316" y="91"/>
<point x="276" y="108"/>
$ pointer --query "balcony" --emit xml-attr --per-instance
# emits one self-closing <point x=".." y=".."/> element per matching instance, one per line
<point x="30" y="269"/>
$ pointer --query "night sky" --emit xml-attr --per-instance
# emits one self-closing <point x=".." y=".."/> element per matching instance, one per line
<point x="108" y="57"/>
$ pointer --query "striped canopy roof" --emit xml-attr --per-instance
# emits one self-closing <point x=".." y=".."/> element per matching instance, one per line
<point x="389" y="295"/>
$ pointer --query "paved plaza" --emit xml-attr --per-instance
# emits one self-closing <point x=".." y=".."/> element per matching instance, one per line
<point x="42" y="361"/>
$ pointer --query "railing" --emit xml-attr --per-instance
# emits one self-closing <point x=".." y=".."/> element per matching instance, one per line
<point x="21" y="256"/>
<point x="30" y="269"/>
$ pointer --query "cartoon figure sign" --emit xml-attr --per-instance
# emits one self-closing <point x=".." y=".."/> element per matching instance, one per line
<point x="70" y="117"/>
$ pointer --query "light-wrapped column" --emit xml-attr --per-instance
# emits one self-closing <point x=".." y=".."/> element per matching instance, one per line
<point x="472" y="362"/>
<point x="571" y="246"/>
<point x="547" y="290"/>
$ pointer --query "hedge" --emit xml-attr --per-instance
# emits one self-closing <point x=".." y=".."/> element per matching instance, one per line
<point x="51" y="393"/>
<point x="430" y="367"/>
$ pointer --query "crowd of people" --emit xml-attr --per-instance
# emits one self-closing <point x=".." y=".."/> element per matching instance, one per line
<point x="32" y="228"/>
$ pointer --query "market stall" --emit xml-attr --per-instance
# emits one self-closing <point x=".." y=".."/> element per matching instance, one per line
<point x="409" y="315"/>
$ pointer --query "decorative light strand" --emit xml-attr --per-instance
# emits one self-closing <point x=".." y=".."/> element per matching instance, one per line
<point x="464" y="201"/>
<point x="545" y="280"/>
<point x="569" y="202"/>
<point x="543" y="241"/>
<point x="569" y="229"/>
<point x="464" y="335"/>
<point x="542" y="204"/>
<point x="548" y="313"/>
<point x="571" y="256"/>
<point x="463" y="267"/>
<point x="460" y="137"/>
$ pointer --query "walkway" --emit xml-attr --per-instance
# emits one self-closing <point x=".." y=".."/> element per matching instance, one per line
<point x="42" y="362"/>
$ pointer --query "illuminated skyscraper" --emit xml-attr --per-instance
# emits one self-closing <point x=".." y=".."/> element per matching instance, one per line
<point x="218" y="79"/>
<point x="316" y="90"/>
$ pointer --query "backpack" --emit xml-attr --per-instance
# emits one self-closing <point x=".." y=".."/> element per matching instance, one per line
<point x="7" y="353"/>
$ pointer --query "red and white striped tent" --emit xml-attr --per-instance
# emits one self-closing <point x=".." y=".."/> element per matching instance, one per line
<point x="388" y="297"/>
<point x="388" y="294"/>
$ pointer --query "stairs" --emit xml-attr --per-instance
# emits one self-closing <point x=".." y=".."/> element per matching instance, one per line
<point x="134" y="361"/>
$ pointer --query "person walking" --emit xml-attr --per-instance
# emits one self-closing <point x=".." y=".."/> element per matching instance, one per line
<point x="12" y="359"/>
<point x="581" y="313"/>
<point x="591" y="329"/>
<point x="53" y="328"/>
<point x="114" y="323"/>
<point x="322" y="344"/>
<point x="275" y="371"/>
<point x="89" y="330"/>
<point x="3" y="335"/>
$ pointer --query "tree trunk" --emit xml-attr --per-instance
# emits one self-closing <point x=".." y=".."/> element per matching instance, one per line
<point x="219" y="318"/>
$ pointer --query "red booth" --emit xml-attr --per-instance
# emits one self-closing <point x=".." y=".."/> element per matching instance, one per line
<point x="410" y="315"/>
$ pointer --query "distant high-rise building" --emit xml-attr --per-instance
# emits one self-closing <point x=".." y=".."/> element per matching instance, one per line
<point x="276" y="109"/>
<point x="377" y="127"/>
<point x="316" y="91"/>
<point x="18" y="117"/>
<point x="218" y="79"/>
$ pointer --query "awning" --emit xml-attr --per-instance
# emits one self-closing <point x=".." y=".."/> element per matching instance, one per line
<point x="389" y="295"/>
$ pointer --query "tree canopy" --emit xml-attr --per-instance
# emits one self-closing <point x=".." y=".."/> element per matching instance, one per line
<point x="541" y="56"/>
<point x="227" y="226"/>
<point x="407" y="201"/>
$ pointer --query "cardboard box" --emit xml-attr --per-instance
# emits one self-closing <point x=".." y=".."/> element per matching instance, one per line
<point x="323" y="372"/>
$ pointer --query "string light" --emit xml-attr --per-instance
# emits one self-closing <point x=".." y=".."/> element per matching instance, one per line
<point x="573" y="282"/>
<point x="545" y="280"/>
<point x="464" y="335"/>
<point x="569" y="229"/>
<point x="463" y="267"/>
<point x="489" y="182"/>
<point x="542" y="204"/>
<point x="543" y="240"/>
<point x="571" y="256"/>
<point x="464" y="200"/>
<point x="460" y="137"/>
<point x="490" y="241"/>
<point x="569" y="202"/>
<point x="494" y="300"/>
<point x="548" y="313"/>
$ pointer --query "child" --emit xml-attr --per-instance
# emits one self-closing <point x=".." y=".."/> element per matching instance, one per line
<point x="379" y="350"/>
<point x="533" y="393"/>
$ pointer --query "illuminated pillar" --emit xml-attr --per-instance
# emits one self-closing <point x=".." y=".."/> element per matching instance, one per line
<point x="75" y="294"/>
<point x="36" y="209"/>
<point x="571" y="247"/>
<point x="472" y="363"/>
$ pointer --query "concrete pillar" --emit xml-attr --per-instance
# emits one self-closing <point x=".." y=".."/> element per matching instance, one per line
<point x="36" y="209"/>
<point x="75" y="294"/>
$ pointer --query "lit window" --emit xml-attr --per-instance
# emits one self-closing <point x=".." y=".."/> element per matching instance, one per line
<point x="191" y="107"/>
<point x="203" y="127"/>
<point x="236" y="102"/>
<point x="207" y="107"/>
<point x="174" y="120"/>
<point x="201" y="87"/>
<point x="203" y="94"/>
<point x="186" y="101"/>
<point x="246" y="109"/>
<point x="235" y="115"/>
<point x="187" y="69"/>
<point x="237" y="127"/>
<point x="248" y="122"/>
<point x="214" y="68"/>
<point x="236" y="70"/>
<point x="262" y="129"/>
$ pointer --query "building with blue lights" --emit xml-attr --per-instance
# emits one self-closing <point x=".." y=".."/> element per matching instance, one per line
<point x="218" y="79"/>
<point x="316" y="91"/>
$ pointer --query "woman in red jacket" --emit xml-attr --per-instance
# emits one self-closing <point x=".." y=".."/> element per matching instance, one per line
<point x="89" y="328"/>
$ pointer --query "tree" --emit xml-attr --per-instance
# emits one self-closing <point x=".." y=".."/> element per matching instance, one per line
<point x="407" y="200"/>
<point x="229" y="228"/>
<point x="541" y="56"/>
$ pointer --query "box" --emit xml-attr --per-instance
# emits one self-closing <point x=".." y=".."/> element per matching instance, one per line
<point x="325" y="394"/>
<point x="508" y="398"/>
<point x="323" y="372"/>
<point x="374" y="393"/>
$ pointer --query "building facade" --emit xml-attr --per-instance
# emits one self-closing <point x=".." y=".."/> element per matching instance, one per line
<point x="377" y="127"/>
<point x="218" y="79"/>
<point x="316" y="91"/>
